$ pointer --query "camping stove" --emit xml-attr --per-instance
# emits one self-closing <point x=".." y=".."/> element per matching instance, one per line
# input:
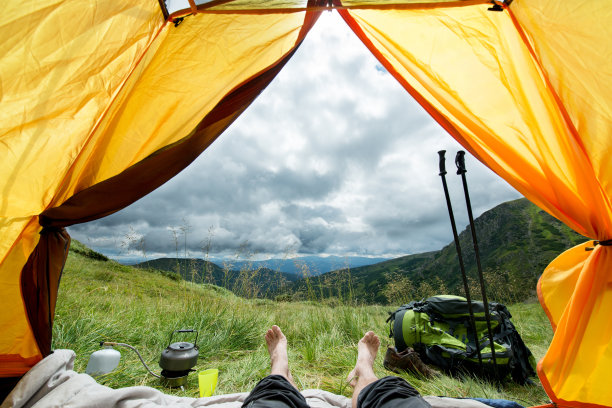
<point x="176" y="361"/>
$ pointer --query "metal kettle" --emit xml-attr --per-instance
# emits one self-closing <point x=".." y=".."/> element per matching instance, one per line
<point x="177" y="360"/>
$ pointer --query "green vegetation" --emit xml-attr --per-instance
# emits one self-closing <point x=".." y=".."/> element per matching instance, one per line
<point x="246" y="282"/>
<point x="105" y="301"/>
<point x="81" y="249"/>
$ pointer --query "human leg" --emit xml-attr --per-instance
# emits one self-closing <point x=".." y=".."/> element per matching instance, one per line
<point x="363" y="373"/>
<point x="277" y="348"/>
<point x="390" y="392"/>
<point x="278" y="389"/>
<point x="275" y="391"/>
<point x="371" y="392"/>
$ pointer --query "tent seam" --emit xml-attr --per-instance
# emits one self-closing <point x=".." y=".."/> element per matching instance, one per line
<point x="206" y="8"/>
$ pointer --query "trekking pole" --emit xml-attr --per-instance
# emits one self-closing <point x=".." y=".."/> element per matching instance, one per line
<point x="460" y="163"/>
<point x="460" y="256"/>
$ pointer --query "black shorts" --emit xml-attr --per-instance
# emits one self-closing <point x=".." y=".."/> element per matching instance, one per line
<point x="390" y="392"/>
<point x="275" y="391"/>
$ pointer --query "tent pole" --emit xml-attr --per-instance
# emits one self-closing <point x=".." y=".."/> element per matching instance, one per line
<point x="460" y="163"/>
<point x="164" y="9"/>
<point x="466" y="288"/>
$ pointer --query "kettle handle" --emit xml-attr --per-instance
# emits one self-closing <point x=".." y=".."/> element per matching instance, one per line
<point x="185" y="331"/>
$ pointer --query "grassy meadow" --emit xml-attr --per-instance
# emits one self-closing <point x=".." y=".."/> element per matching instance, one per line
<point x="104" y="301"/>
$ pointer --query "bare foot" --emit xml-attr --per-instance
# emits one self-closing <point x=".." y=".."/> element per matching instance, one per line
<point x="367" y="348"/>
<point x="277" y="347"/>
<point x="363" y="373"/>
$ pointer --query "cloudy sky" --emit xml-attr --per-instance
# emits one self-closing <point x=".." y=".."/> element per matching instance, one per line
<point x="334" y="157"/>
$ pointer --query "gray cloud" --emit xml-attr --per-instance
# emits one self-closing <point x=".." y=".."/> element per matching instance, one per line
<point x="334" y="157"/>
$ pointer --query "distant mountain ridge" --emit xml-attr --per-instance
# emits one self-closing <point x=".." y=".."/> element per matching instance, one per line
<point x="517" y="240"/>
<point x="258" y="282"/>
<point x="312" y="265"/>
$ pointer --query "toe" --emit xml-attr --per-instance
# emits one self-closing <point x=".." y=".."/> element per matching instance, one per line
<point x="277" y="331"/>
<point x="351" y="378"/>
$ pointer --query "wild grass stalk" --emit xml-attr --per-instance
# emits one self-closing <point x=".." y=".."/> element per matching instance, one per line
<point x="207" y="274"/>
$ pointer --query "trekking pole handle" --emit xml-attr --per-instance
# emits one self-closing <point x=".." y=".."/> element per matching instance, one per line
<point x="441" y="153"/>
<point x="460" y="162"/>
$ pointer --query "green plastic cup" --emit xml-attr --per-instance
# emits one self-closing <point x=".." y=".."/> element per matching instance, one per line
<point x="207" y="381"/>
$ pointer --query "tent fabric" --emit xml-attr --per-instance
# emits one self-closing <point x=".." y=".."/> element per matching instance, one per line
<point x="148" y="86"/>
<point x="40" y="282"/>
<point x="53" y="92"/>
<point x="101" y="106"/>
<point x="504" y="85"/>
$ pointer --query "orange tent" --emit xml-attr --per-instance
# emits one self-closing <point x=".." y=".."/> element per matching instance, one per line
<point x="103" y="99"/>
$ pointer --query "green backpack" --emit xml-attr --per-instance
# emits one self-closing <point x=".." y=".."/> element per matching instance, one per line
<point x="439" y="329"/>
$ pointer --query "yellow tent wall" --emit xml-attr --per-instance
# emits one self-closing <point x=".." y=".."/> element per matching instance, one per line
<point x="505" y="86"/>
<point x="101" y="104"/>
<point x="113" y="99"/>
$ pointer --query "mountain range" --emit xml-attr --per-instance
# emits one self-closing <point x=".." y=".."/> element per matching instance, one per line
<point x="311" y="265"/>
<point x="516" y="242"/>
<point x="252" y="282"/>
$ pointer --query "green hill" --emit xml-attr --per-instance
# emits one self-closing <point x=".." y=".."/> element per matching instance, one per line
<point x="101" y="300"/>
<point x="516" y="240"/>
<point x="246" y="282"/>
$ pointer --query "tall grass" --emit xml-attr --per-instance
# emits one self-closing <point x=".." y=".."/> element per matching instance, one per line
<point x="104" y="301"/>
